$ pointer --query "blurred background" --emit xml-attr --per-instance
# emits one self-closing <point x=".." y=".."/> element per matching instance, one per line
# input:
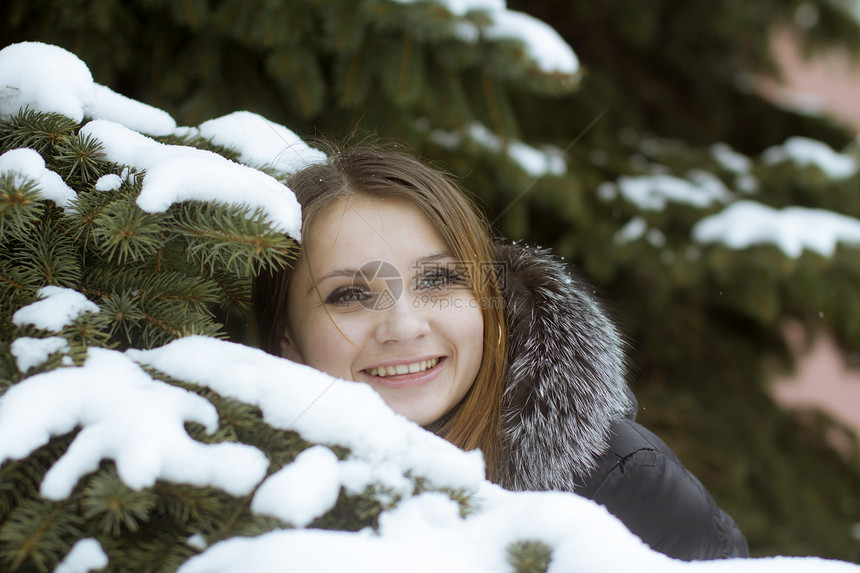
<point x="744" y="332"/>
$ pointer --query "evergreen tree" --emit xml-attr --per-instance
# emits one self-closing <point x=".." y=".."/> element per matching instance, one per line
<point x="663" y="102"/>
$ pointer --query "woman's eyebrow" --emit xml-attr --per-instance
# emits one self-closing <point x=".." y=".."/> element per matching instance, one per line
<point x="348" y="273"/>
<point x="434" y="258"/>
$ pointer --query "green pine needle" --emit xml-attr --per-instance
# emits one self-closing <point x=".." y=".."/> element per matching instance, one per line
<point x="37" y="130"/>
<point x="37" y="534"/>
<point x="117" y="506"/>
<point x="237" y="239"/>
<point x="18" y="285"/>
<point x="80" y="158"/>
<point x="125" y="233"/>
<point x="121" y="315"/>
<point x="529" y="556"/>
<point x="20" y="204"/>
<point x="48" y="258"/>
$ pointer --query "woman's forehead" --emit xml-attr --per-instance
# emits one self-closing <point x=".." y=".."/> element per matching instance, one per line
<point x="359" y="230"/>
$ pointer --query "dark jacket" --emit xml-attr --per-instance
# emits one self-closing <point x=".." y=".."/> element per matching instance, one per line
<point x="568" y="417"/>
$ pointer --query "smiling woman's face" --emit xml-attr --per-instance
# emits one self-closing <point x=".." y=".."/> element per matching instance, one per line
<point x="420" y="348"/>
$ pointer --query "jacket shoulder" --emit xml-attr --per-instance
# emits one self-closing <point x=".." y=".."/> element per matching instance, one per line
<point x="643" y="483"/>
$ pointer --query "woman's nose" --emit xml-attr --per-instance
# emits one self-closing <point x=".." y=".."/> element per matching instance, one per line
<point x="403" y="321"/>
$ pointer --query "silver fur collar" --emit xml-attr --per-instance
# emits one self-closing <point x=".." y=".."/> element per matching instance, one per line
<point x="566" y="375"/>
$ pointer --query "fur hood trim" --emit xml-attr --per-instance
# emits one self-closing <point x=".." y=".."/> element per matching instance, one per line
<point x="565" y="383"/>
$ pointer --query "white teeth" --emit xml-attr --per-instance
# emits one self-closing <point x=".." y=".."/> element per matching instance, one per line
<point x="412" y="368"/>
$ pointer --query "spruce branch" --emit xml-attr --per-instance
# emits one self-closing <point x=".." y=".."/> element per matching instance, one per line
<point x="123" y="232"/>
<point x="17" y="285"/>
<point x="47" y="258"/>
<point x="140" y="307"/>
<point x="37" y="533"/>
<point x="9" y="374"/>
<point x="121" y="315"/>
<point x="192" y="507"/>
<point x="83" y="333"/>
<point x="236" y="291"/>
<point x="86" y="211"/>
<point x="117" y="506"/>
<point x="37" y="130"/>
<point x="157" y="547"/>
<point x="139" y="282"/>
<point x="80" y="158"/>
<point x="20" y="204"/>
<point x="529" y="556"/>
<point x="356" y="512"/>
<point x="168" y="320"/>
<point x="464" y="498"/>
<point x="20" y="479"/>
<point x="237" y="239"/>
<point x="161" y="331"/>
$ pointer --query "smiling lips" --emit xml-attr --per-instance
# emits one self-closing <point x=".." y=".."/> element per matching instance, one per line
<point x="413" y="368"/>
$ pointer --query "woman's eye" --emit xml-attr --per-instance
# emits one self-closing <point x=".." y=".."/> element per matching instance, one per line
<point x="348" y="296"/>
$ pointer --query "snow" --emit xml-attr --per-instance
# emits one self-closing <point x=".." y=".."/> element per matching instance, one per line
<point x="301" y="491"/>
<point x="633" y="230"/>
<point x="654" y="192"/>
<point x="322" y="409"/>
<point x="197" y="541"/>
<point x="261" y="142"/>
<point x="547" y="49"/>
<point x="57" y="308"/>
<point x="534" y="161"/>
<point x="792" y="229"/>
<point x="30" y="352"/>
<point x="805" y="151"/>
<point x="852" y="7"/>
<point x="425" y="534"/>
<point x="737" y="163"/>
<point x="109" y="182"/>
<point x="746" y="183"/>
<point x="125" y="416"/>
<point x="545" y="46"/>
<point x="86" y="555"/>
<point x="355" y="475"/>
<point x="26" y="164"/>
<point x="462" y="7"/>
<point x="112" y="399"/>
<point x="50" y="79"/>
<point x="636" y="229"/>
<point x="656" y="238"/>
<point x="177" y="173"/>
<point x="730" y="159"/>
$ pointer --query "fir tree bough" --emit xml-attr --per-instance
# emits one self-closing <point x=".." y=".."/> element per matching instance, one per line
<point x="157" y="276"/>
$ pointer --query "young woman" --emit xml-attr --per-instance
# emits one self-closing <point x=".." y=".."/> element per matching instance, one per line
<point x="492" y="346"/>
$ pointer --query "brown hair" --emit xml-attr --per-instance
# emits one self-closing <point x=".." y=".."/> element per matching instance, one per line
<point x="379" y="173"/>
